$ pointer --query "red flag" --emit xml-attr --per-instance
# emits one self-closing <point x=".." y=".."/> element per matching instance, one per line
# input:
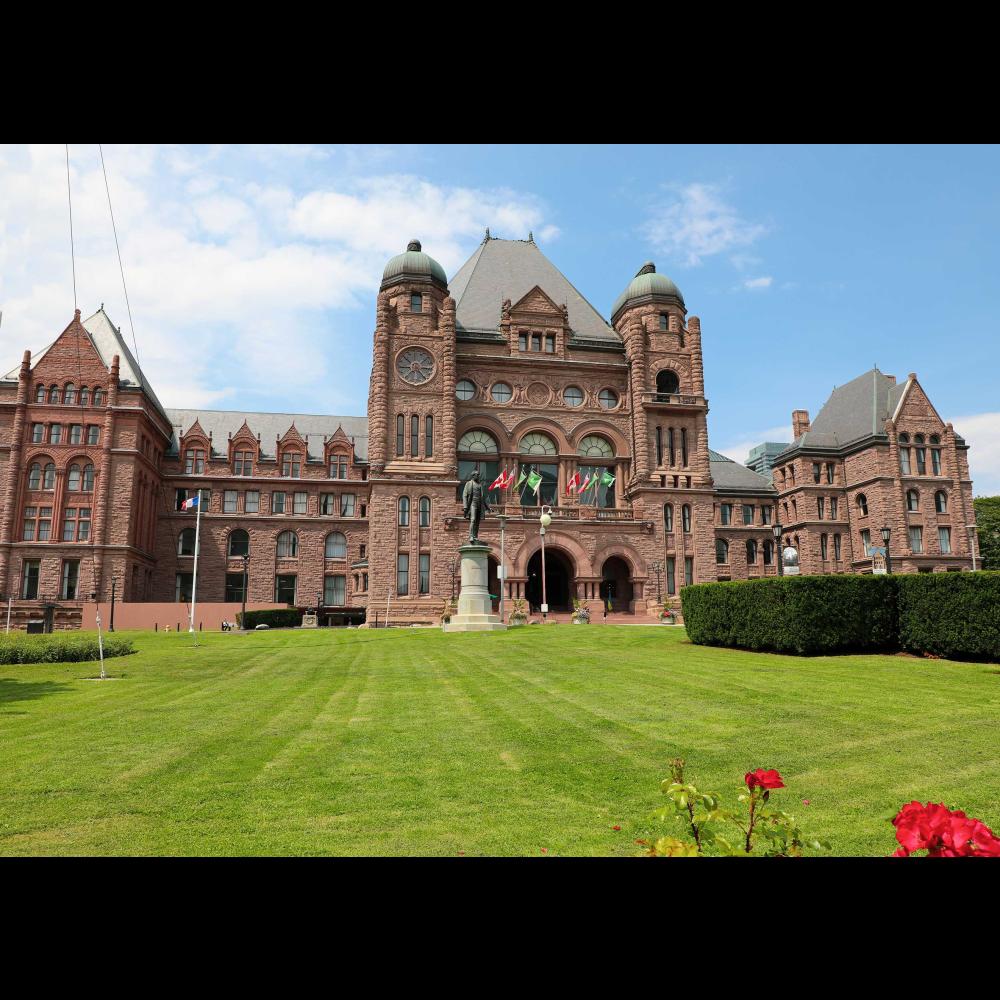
<point x="500" y="481"/>
<point x="574" y="482"/>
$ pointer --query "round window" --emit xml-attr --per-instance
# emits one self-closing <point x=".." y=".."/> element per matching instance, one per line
<point x="573" y="395"/>
<point x="608" y="398"/>
<point x="415" y="366"/>
<point x="465" y="389"/>
<point x="501" y="392"/>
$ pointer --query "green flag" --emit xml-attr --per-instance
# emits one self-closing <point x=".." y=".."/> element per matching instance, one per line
<point x="534" y="481"/>
<point x="521" y="479"/>
<point x="607" y="479"/>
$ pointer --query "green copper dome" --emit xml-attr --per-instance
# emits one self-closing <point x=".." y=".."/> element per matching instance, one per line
<point x="414" y="265"/>
<point x="647" y="282"/>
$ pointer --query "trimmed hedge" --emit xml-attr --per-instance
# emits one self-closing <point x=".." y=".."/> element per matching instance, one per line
<point x="951" y="614"/>
<point x="60" y="648"/>
<point x="946" y="614"/>
<point x="794" y="614"/>
<point x="278" y="618"/>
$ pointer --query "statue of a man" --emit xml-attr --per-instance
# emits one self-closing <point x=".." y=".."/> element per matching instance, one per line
<point x="474" y="505"/>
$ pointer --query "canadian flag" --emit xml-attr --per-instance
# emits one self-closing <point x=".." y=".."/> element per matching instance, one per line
<point x="500" y="482"/>
<point x="574" y="482"/>
<point x="586" y="484"/>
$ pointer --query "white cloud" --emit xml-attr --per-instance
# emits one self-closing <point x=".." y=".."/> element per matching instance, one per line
<point x="738" y="447"/>
<point x="758" y="283"/>
<point x="982" y="432"/>
<point x="696" y="222"/>
<point x="239" y="252"/>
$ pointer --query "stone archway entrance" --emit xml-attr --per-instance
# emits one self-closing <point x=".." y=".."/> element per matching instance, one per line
<point x="616" y="584"/>
<point x="559" y="574"/>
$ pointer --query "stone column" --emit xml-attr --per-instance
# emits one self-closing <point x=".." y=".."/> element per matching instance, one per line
<point x="12" y="491"/>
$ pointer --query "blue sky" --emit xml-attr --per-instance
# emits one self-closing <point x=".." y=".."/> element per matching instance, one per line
<point x="252" y="270"/>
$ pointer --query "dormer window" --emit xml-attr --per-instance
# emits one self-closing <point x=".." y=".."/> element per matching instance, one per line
<point x="416" y="303"/>
<point x="338" y="466"/>
<point x="243" y="463"/>
<point x="194" y="461"/>
<point x="291" y="465"/>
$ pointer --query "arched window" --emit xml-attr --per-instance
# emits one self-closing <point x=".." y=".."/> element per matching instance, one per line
<point x="478" y="442"/>
<point x="721" y="551"/>
<point x="69" y="394"/>
<point x="40" y="394"/>
<point x="862" y="501"/>
<point x="573" y="396"/>
<point x="98" y="397"/>
<point x="88" y="479"/>
<point x="54" y="394"/>
<point x="593" y="446"/>
<point x="465" y="390"/>
<point x="537" y="443"/>
<point x="404" y="512"/>
<point x="686" y="518"/>
<point x="239" y="543"/>
<point x="919" y="439"/>
<point x="429" y="437"/>
<point x="941" y="502"/>
<point x="336" y="546"/>
<point x="912" y="501"/>
<point x="288" y="545"/>
<point x="49" y="477"/>
<point x="400" y="433"/>
<point x="608" y="398"/>
<point x="768" y="552"/>
<point x="35" y="476"/>
<point x="73" y="478"/>
<point x="751" y="552"/>
<point x="904" y="438"/>
<point x="84" y="396"/>
<point x="667" y="382"/>
<point x="668" y="517"/>
<point x="425" y="512"/>
<point x="501" y="392"/>
<point x="185" y="542"/>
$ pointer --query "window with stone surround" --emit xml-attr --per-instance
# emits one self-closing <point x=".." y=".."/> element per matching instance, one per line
<point x="30" y="572"/>
<point x="768" y="552"/>
<point x="400" y="434"/>
<point x="765" y="513"/>
<point x="748" y="513"/>
<point x="836" y="547"/>
<point x="936" y="460"/>
<point x="229" y="501"/>
<point x="866" y="541"/>
<point x="284" y="588"/>
<point x="941" y="502"/>
<point x="251" y="502"/>
<point x="823" y="547"/>
<point x="608" y="398"/>
<point x="751" y="552"/>
<point x="944" y="540"/>
<point x="291" y="465"/>
<point x="829" y="472"/>
<point x="404" y="512"/>
<point x="37" y="433"/>
<point x="300" y="503"/>
<point x="819" y="507"/>
<point x="185" y="542"/>
<point x="668" y="517"/>
<point x="862" y="501"/>
<point x="93" y="434"/>
<point x="415" y="436"/>
<point x="335" y="591"/>
<point x="402" y="574"/>
<point x="238" y="543"/>
<point x="347" y="503"/>
<point x="429" y="437"/>
<point x="573" y="396"/>
<point x="686" y="519"/>
<point x="328" y="504"/>
<point x="243" y="463"/>
<point x="40" y="394"/>
<point x="833" y="508"/>
<point x="465" y="390"/>
<point x="921" y="461"/>
<point x="54" y="394"/>
<point x="76" y="433"/>
<point x="522" y="341"/>
<point x="76" y="524"/>
<point x="416" y="302"/>
<point x="336" y="545"/>
<point x="916" y="539"/>
<point x="37" y="524"/>
<point x="425" y="573"/>
<point x="70" y="580"/>
<point x="55" y="434"/>
<point x="477" y="443"/>
<point x="84" y="396"/>
<point x="726" y="513"/>
<point x="288" y="545"/>
<point x="816" y="472"/>
<point x="912" y="501"/>
<point x="721" y="551"/>
<point x="338" y="466"/>
<point x="501" y="392"/>
<point x="278" y="502"/>
<point x="425" y="512"/>
<point x="234" y="587"/>
<point x="537" y="443"/>
<point x="98" y="397"/>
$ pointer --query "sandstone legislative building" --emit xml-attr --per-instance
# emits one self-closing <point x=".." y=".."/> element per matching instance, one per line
<point x="507" y="366"/>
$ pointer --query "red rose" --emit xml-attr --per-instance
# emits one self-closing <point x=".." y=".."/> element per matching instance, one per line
<point x="763" y="779"/>
<point x="616" y="828"/>
<point x="943" y="833"/>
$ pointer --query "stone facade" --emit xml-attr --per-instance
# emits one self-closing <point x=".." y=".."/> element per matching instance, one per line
<point x="508" y="368"/>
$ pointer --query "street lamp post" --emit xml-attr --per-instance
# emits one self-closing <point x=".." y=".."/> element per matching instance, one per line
<point x="503" y="572"/>
<point x="545" y="520"/>
<point x="111" y="623"/>
<point x="246" y="575"/>
<point x="777" y="529"/>
<point x="886" y="532"/>
<point x="657" y="567"/>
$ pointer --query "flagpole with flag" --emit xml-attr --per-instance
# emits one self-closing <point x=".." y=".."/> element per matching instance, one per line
<point x="197" y="548"/>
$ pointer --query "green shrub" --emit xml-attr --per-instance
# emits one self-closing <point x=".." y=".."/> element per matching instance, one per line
<point x="951" y="614"/>
<point x="988" y="523"/>
<point x="794" y="614"/>
<point x="279" y="618"/>
<point x="60" y="648"/>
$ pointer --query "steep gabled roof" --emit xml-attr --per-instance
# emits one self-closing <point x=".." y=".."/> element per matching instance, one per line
<point x="854" y="410"/>
<point x="509" y="269"/>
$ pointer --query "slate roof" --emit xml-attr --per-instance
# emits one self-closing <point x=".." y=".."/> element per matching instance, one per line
<point x="108" y="342"/>
<point x="509" y="269"/>
<point x="270" y="426"/>
<point x="728" y="474"/>
<point x="854" y="410"/>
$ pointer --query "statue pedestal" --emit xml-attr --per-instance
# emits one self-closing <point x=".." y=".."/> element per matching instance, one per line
<point x="475" y="608"/>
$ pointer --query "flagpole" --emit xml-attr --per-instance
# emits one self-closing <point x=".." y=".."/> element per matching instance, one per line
<point x="197" y="547"/>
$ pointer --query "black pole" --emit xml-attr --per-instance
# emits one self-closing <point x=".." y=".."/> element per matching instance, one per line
<point x="111" y="624"/>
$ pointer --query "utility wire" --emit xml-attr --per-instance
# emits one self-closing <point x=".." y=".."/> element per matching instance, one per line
<point x="72" y="249"/>
<point x="121" y="267"/>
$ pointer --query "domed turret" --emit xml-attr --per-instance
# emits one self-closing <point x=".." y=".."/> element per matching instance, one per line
<point x="646" y="284"/>
<point x="413" y="265"/>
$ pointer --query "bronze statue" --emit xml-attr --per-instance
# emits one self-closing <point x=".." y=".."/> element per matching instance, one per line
<point x="474" y="505"/>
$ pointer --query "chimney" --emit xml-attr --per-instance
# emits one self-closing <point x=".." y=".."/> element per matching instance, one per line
<point x="800" y="423"/>
<point x="892" y="379"/>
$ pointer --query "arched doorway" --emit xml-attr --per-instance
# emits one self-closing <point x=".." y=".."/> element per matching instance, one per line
<point x="493" y="581"/>
<point x="559" y="576"/>
<point x="615" y="584"/>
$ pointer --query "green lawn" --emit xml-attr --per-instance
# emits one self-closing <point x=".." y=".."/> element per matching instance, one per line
<point x="413" y="742"/>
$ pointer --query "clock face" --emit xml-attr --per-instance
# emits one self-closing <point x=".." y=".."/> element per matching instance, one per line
<point x="415" y="366"/>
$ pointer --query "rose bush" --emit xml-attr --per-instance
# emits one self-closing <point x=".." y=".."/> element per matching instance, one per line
<point x="942" y="833"/>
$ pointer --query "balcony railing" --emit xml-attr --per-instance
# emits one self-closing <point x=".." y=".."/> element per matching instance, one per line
<point x="671" y="399"/>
